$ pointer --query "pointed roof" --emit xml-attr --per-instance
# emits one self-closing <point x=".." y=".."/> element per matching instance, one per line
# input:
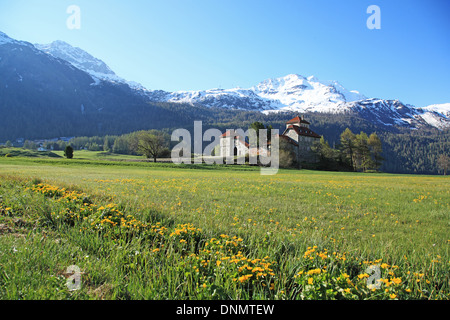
<point x="302" y="131"/>
<point x="297" y="119"/>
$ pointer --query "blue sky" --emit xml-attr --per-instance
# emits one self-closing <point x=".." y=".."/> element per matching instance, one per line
<point x="201" y="44"/>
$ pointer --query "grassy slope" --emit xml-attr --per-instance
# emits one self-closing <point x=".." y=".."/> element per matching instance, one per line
<point x="401" y="219"/>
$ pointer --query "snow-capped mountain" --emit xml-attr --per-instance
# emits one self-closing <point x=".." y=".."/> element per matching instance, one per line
<point x="85" y="62"/>
<point x="4" y="39"/>
<point x="437" y="115"/>
<point x="300" y="94"/>
<point x="42" y="96"/>
<point x="290" y="93"/>
<point x="293" y="92"/>
<point x="443" y="108"/>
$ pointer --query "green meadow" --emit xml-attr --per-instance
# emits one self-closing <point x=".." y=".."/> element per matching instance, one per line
<point x="141" y="230"/>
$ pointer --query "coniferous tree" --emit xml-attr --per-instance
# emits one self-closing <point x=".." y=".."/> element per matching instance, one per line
<point x="376" y="150"/>
<point x="361" y="160"/>
<point x="348" y="146"/>
<point x="443" y="163"/>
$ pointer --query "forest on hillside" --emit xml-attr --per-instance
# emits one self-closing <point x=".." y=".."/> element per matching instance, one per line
<point x="403" y="150"/>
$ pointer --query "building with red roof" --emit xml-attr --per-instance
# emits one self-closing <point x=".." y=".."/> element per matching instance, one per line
<point x="298" y="136"/>
<point x="300" y="139"/>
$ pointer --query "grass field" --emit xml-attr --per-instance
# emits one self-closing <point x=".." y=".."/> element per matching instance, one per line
<point x="159" y="231"/>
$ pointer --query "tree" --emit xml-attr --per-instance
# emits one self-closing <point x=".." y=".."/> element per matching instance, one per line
<point x="257" y="126"/>
<point x="9" y="144"/>
<point x="348" y="139"/>
<point x="361" y="153"/>
<point x="30" y="145"/>
<point x="108" y="143"/>
<point x="152" y="143"/>
<point x="121" y="145"/>
<point x="443" y="163"/>
<point x="286" y="157"/>
<point x="61" y="145"/>
<point x="329" y="158"/>
<point x="323" y="151"/>
<point x="376" y="150"/>
<point x="68" y="152"/>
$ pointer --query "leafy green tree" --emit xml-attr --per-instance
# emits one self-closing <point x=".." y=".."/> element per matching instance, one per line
<point x="108" y="143"/>
<point x="30" y="145"/>
<point x="348" y="141"/>
<point x="61" y="145"/>
<point x="68" y="152"/>
<point x="9" y="144"/>
<point x="152" y="143"/>
<point x="323" y="151"/>
<point x="443" y="163"/>
<point x="121" y="145"/>
<point x="362" y="159"/>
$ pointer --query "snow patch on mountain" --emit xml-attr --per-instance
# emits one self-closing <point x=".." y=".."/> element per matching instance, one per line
<point x="435" y="120"/>
<point x="4" y="39"/>
<point x="443" y="109"/>
<point x="82" y="60"/>
<point x="300" y="94"/>
<point x="289" y="93"/>
<point x="297" y="93"/>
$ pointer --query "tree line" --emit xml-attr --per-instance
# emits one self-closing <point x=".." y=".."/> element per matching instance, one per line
<point x="404" y="150"/>
<point x="149" y="143"/>
<point x="354" y="152"/>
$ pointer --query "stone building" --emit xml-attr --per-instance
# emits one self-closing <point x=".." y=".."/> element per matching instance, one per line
<point x="300" y="138"/>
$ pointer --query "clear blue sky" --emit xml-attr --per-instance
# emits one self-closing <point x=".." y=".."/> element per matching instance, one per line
<point x="201" y="44"/>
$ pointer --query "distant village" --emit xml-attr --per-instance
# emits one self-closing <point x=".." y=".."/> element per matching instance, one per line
<point x="39" y="145"/>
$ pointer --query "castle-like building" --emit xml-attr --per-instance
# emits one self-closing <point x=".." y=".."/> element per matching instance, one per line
<point x="298" y="136"/>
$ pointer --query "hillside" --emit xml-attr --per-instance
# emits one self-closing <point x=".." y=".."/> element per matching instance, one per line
<point x="56" y="90"/>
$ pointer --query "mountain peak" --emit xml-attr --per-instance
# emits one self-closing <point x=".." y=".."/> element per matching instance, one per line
<point x="82" y="60"/>
<point x="61" y="44"/>
<point x="4" y="38"/>
<point x="76" y="56"/>
<point x="293" y="77"/>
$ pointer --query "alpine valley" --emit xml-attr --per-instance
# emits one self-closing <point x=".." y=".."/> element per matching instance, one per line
<point x="57" y="90"/>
